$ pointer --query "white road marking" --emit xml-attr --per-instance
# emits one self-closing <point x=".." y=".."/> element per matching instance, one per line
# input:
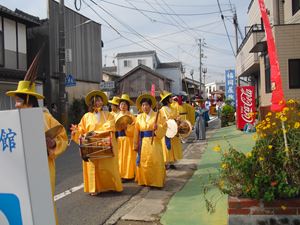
<point x="67" y="192"/>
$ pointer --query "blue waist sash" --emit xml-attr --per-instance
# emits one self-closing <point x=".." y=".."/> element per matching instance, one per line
<point x="143" y="134"/>
<point x="120" y="133"/>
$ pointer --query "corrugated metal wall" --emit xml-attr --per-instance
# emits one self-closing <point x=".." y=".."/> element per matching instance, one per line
<point x="83" y="39"/>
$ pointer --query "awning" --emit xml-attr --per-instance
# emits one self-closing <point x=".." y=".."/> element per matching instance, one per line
<point x="259" y="47"/>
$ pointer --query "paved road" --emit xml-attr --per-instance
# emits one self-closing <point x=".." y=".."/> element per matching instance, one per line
<point x="78" y="208"/>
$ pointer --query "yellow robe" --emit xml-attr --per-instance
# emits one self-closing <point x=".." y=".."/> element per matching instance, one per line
<point x="61" y="140"/>
<point x="175" y="153"/>
<point x="99" y="175"/>
<point x="126" y="154"/>
<point x="181" y="109"/>
<point x="151" y="171"/>
<point x="190" y="113"/>
<point x="61" y="144"/>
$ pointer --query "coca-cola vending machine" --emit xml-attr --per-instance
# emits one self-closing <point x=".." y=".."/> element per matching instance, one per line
<point x="245" y="105"/>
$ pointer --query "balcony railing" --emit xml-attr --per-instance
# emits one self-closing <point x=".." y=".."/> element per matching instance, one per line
<point x="248" y="31"/>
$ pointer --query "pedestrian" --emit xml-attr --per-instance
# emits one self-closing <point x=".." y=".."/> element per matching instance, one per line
<point x="114" y="105"/>
<point x="126" y="154"/>
<point x="26" y="97"/>
<point x="172" y="148"/>
<point x="150" y="128"/>
<point x="99" y="175"/>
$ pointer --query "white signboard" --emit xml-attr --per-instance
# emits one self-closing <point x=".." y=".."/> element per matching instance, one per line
<point x="107" y="85"/>
<point x="25" y="192"/>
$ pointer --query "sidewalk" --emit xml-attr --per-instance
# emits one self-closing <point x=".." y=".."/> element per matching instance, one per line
<point x="188" y="206"/>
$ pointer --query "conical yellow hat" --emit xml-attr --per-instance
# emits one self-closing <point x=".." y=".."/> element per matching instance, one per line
<point x="114" y="101"/>
<point x="126" y="98"/>
<point x="24" y="87"/>
<point x="147" y="96"/>
<point x="95" y="93"/>
<point x="164" y="94"/>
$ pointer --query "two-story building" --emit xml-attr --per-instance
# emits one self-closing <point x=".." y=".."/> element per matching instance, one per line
<point x="213" y="87"/>
<point x="14" y="58"/>
<point x="171" y="70"/>
<point x="252" y="60"/>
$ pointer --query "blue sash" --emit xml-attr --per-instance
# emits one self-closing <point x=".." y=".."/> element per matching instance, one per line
<point x="120" y="133"/>
<point x="143" y="134"/>
<point x="168" y="142"/>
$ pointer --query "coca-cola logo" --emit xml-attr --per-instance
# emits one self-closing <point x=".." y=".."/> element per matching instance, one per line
<point x="246" y="107"/>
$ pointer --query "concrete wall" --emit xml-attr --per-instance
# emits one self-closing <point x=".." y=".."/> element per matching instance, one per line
<point x="265" y="98"/>
<point x="175" y="75"/>
<point x="288" y="17"/>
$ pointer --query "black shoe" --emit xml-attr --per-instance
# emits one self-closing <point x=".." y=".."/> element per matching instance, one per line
<point x="173" y="167"/>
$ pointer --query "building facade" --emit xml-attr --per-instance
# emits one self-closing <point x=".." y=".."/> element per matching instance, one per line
<point x="14" y="59"/>
<point x="213" y="87"/>
<point x="252" y="61"/>
<point x="171" y="70"/>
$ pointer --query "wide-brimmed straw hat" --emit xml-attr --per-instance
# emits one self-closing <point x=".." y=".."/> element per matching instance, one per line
<point x="147" y="96"/>
<point x="164" y="95"/>
<point x="93" y="93"/>
<point x="125" y="97"/>
<point x="114" y="101"/>
<point x="25" y="87"/>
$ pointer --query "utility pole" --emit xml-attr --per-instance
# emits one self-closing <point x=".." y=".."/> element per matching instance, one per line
<point x="200" y="64"/>
<point x="235" y="23"/>
<point x="62" y="110"/>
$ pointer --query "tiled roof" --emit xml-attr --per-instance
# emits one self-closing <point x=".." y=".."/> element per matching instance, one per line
<point x="126" y="54"/>
<point x="169" y="65"/>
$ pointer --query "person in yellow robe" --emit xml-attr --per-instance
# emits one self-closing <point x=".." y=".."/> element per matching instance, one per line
<point x="179" y="107"/>
<point x="150" y="162"/>
<point x="26" y="97"/>
<point x="124" y="137"/>
<point x="114" y="105"/>
<point x="172" y="147"/>
<point x="99" y="175"/>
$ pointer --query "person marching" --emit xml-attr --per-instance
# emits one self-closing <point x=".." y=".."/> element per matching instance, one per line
<point x="26" y="97"/>
<point x="99" y="175"/>
<point x="114" y="105"/>
<point x="172" y="147"/>
<point x="124" y="135"/>
<point x="150" y="128"/>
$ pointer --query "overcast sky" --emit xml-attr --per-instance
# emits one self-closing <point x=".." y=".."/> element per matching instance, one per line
<point x="171" y="27"/>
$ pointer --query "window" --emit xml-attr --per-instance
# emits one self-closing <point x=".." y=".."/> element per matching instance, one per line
<point x="294" y="73"/>
<point x="267" y="74"/>
<point x="295" y="6"/>
<point x="141" y="61"/>
<point x="127" y="63"/>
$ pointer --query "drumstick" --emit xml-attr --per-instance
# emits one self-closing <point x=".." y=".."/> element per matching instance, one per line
<point x="156" y="118"/>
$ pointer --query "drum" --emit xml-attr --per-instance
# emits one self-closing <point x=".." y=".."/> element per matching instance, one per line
<point x="172" y="128"/>
<point x="96" y="146"/>
<point x="123" y="121"/>
<point x="184" y="128"/>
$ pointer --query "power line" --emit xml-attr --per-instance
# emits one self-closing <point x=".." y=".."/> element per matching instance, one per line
<point x="222" y="16"/>
<point x="162" y="13"/>
<point x="134" y="31"/>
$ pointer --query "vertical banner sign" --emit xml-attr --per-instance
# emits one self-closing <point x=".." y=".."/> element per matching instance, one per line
<point x="153" y="90"/>
<point x="245" y="105"/>
<point x="278" y="101"/>
<point x="230" y="85"/>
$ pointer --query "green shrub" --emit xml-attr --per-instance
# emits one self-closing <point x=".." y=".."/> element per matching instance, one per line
<point x="77" y="109"/>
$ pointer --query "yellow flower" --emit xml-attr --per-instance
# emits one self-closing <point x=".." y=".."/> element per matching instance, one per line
<point x="217" y="148"/>
<point x="283" y="118"/>
<point x="221" y="183"/>
<point x="283" y="207"/>
<point x="254" y="137"/>
<point x="286" y="149"/>
<point x="270" y="146"/>
<point x="285" y="109"/>
<point x="224" y="166"/>
<point x="261" y="158"/>
<point x="296" y="125"/>
<point x="268" y="119"/>
<point x="269" y="114"/>
<point x="273" y="123"/>
<point x="249" y="154"/>
<point x="284" y="131"/>
<point x="291" y="101"/>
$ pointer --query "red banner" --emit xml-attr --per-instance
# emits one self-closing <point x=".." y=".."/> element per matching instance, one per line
<point x="278" y="101"/>
<point x="245" y="107"/>
<point x="153" y="90"/>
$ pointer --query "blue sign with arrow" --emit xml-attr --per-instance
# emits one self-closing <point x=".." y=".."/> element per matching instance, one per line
<point x="70" y="81"/>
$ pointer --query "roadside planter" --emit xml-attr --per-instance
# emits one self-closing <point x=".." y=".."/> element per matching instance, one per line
<point x="245" y="211"/>
<point x="264" y="184"/>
